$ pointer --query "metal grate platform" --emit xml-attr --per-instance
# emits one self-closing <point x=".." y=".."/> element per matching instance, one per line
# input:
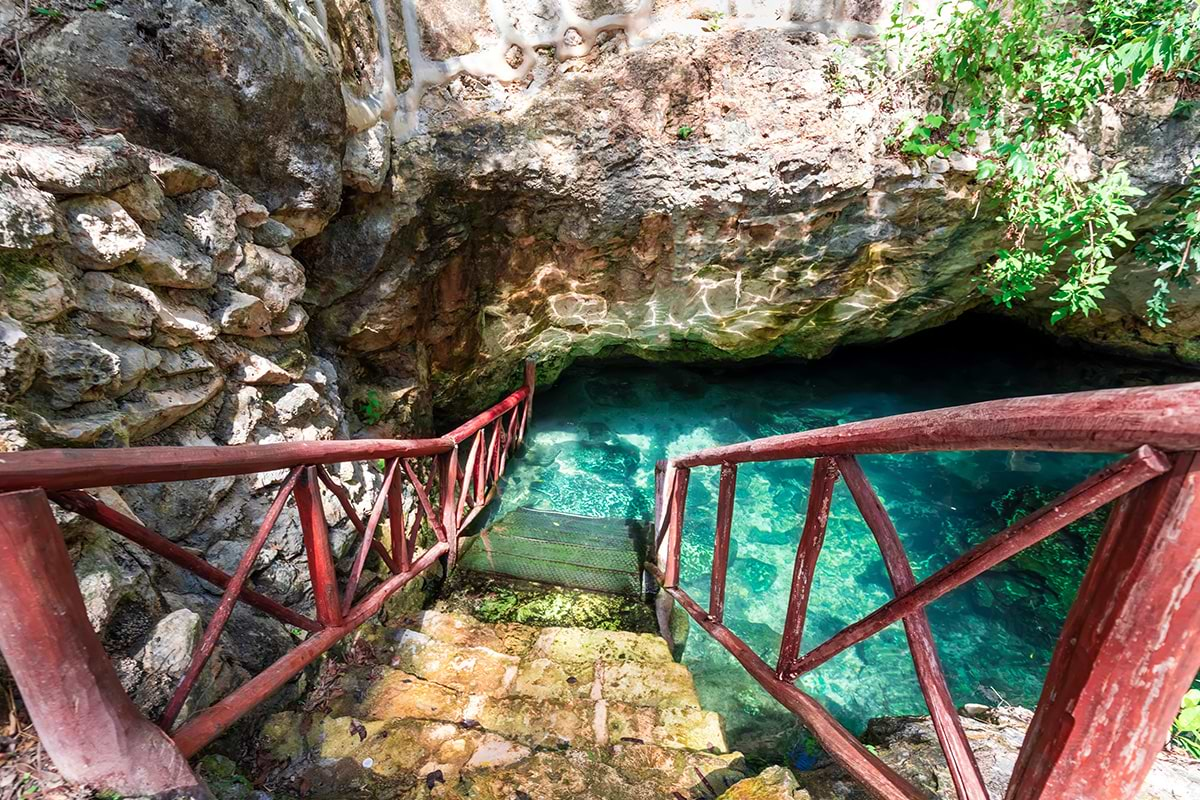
<point x="592" y="553"/>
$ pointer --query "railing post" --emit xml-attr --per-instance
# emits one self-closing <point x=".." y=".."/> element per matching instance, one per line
<point x="678" y="499"/>
<point x="530" y="384"/>
<point x="1128" y="652"/>
<point x="725" y="497"/>
<point x="88" y="725"/>
<point x="448" y="479"/>
<point x="321" y="567"/>
<point x="812" y="539"/>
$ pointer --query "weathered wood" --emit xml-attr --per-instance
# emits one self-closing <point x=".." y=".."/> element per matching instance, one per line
<point x="206" y="726"/>
<point x="964" y="771"/>
<point x="725" y="495"/>
<point x="321" y="567"/>
<point x="88" y="725"/>
<point x="530" y="385"/>
<point x="423" y="500"/>
<point x="368" y="536"/>
<point x="679" y="487"/>
<point x="1096" y="491"/>
<point x="87" y="506"/>
<point x="220" y="617"/>
<point x="1107" y="421"/>
<point x="343" y="498"/>
<point x="398" y="528"/>
<point x="1128" y="652"/>
<point x="481" y="421"/>
<point x="80" y="468"/>
<point x="808" y="549"/>
<point x="880" y="780"/>
<point x="449" y="502"/>
<point x="467" y="479"/>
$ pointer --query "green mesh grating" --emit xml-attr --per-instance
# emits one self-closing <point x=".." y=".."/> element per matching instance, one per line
<point x="602" y="555"/>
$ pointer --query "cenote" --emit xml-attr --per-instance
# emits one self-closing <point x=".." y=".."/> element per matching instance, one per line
<point x="599" y="430"/>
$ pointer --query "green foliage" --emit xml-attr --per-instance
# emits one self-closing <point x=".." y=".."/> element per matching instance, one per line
<point x="97" y="5"/>
<point x="1015" y="77"/>
<point x="48" y="13"/>
<point x="370" y="410"/>
<point x="685" y="131"/>
<point x="1185" y="730"/>
<point x="712" y="20"/>
<point x="1173" y="249"/>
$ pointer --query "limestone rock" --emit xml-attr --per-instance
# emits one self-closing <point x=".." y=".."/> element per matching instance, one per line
<point x="102" y="231"/>
<point x="164" y="407"/>
<point x="272" y="233"/>
<point x="172" y="642"/>
<point x="209" y="218"/>
<point x="143" y="199"/>
<point x="240" y="415"/>
<point x="909" y="745"/>
<point x="245" y="366"/>
<point x="170" y="260"/>
<point x="773" y="783"/>
<point x="28" y="216"/>
<point x="368" y="156"/>
<point x="250" y="213"/>
<point x="179" y="176"/>
<point x="243" y="314"/>
<point x="183" y="361"/>
<point x="37" y="294"/>
<point x="226" y="97"/>
<point x="178" y="323"/>
<point x="18" y="359"/>
<point x="77" y="369"/>
<point x="92" y="166"/>
<point x="118" y="308"/>
<point x="275" y="278"/>
<point x="289" y="322"/>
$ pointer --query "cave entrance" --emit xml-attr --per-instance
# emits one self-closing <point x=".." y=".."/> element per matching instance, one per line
<point x="599" y="430"/>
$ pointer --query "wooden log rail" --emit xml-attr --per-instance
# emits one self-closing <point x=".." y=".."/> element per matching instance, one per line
<point x="446" y="499"/>
<point x="1131" y="644"/>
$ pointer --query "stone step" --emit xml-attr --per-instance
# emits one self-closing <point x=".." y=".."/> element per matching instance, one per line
<point x="469" y="707"/>
<point x="597" y="554"/>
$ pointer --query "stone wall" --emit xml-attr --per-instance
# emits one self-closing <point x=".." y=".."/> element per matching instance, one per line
<point x="148" y="301"/>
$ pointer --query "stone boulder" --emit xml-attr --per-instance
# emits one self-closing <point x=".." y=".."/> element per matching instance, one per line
<point x="236" y="86"/>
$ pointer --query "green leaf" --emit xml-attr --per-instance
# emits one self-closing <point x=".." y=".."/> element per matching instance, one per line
<point x="986" y="169"/>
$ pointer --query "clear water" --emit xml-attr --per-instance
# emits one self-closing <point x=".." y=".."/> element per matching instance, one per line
<point x="597" y="433"/>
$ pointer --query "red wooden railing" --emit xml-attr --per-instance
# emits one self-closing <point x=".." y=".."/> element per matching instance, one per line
<point x="448" y="499"/>
<point x="1131" y="643"/>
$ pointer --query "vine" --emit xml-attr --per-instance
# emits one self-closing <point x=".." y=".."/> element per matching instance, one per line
<point x="1015" y="78"/>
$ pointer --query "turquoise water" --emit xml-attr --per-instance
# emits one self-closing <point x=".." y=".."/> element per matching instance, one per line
<point x="597" y="433"/>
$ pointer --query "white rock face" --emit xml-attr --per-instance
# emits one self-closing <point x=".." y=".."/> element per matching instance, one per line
<point x="28" y="216"/>
<point x="242" y="314"/>
<point x="368" y="156"/>
<point x="102" y="231"/>
<point x="178" y="176"/>
<point x="38" y="296"/>
<point x="271" y="276"/>
<point x="117" y="307"/>
<point x="18" y="358"/>
<point x="96" y="166"/>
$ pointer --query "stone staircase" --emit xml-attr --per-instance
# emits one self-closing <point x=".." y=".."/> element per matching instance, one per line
<point x="440" y="705"/>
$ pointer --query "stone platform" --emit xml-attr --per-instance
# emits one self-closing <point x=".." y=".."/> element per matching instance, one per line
<point x="441" y="705"/>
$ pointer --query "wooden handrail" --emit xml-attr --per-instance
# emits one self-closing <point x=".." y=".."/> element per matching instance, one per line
<point x="1157" y="427"/>
<point x="62" y="469"/>
<point x="1104" y="421"/>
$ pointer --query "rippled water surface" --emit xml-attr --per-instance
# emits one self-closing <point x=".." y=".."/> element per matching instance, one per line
<point x="597" y="433"/>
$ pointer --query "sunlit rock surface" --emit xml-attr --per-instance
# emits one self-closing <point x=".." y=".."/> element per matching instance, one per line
<point x="468" y="709"/>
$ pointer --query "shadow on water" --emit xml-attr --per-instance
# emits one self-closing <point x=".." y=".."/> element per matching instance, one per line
<point x="599" y="430"/>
